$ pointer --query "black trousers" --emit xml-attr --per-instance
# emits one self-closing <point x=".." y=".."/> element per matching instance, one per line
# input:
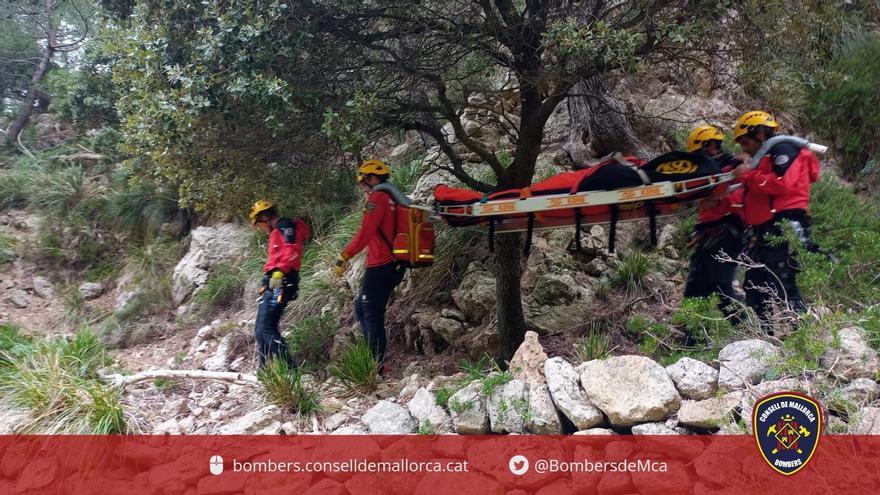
<point x="777" y="279"/>
<point x="706" y="274"/>
<point x="270" y="343"/>
<point x="379" y="282"/>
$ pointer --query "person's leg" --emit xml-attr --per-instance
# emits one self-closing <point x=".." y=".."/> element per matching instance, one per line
<point x="377" y="290"/>
<point x="785" y="267"/>
<point x="270" y="343"/>
<point x="723" y="274"/>
<point x="696" y="285"/>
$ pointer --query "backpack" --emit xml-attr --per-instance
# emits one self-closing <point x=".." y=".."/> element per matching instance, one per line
<point x="413" y="242"/>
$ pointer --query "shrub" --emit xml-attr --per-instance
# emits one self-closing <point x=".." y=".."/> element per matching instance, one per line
<point x="224" y="288"/>
<point x="632" y="272"/>
<point x="595" y="345"/>
<point x="309" y="339"/>
<point x="357" y="369"/>
<point x="285" y="388"/>
<point x="58" y="383"/>
<point x="7" y="248"/>
<point x="844" y="104"/>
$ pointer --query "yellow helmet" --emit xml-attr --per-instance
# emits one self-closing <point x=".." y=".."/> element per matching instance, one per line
<point x="703" y="134"/>
<point x="374" y="167"/>
<point x="752" y="119"/>
<point x="259" y="207"/>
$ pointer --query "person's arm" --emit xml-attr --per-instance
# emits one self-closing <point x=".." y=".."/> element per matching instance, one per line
<point x="375" y="210"/>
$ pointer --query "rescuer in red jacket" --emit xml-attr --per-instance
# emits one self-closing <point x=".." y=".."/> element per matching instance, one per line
<point x="383" y="273"/>
<point x="776" y="192"/>
<point x="719" y="229"/>
<point x="281" y="277"/>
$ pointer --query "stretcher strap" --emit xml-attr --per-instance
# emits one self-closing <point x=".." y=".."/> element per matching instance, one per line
<point x="577" y="228"/>
<point x="528" y="246"/>
<point x="612" y="227"/>
<point x="652" y="220"/>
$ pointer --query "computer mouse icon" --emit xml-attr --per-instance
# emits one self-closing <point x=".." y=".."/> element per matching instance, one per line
<point x="216" y="465"/>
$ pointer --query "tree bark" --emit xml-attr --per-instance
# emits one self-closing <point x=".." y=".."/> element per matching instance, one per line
<point x="597" y="117"/>
<point x="120" y="381"/>
<point x="33" y="90"/>
<point x="508" y="289"/>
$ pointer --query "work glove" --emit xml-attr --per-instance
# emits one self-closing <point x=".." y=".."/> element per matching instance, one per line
<point x="276" y="280"/>
<point x="341" y="265"/>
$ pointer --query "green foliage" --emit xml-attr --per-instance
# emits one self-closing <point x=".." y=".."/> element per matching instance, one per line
<point x="7" y="248"/>
<point x="494" y="380"/>
<point x="844" y="105"/>
<point x="224" y="288"/>
<point x="357" y="369"/>
<point x="708" y="328"/>
<point x="443" y="395"/>
<point x="595" y="345"/>
<point x="849" y="227"/>
<point x="310" y="338"/>
<point x="632" y="272"/>
<point x="58" y="383"/>
<point x="284" y="388"/>
<point x="802" y="349"/>
<point x="13" y="344"/>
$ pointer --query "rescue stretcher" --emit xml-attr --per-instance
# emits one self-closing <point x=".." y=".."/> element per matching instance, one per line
<point x="618" y="189"/>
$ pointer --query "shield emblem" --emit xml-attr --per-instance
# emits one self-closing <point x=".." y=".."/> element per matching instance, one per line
<point x="787" y="427"/>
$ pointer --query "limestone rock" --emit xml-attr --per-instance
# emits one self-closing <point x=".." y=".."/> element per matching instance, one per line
<point x="630" y="389"/>
<point x="744" y="360"/>
<point x="562" y="381"/>
<point x="653" y="429"/>
<point x="543" y="416"/>
<point x="861" y="391"/>
<point x="18" y="298"/>
<point x="694" y="379"/>
<point x="388" y="418"/>
<point x="708" y="413"/>
<point x="423" y="407"/>
<point x="91" y="290"/>
<point x="508" y="407"/>
<point x="527" y="363"/>
<point x="43" y="287"/>
<point x="252" y="422"/>
<point x="475" y="295"/>
<point x="468" y="409"/>
<point x="447" y="329"/>
<point x="868" y="422"/>
<point x="849" y="356"/>
<point x="209" y="247"/>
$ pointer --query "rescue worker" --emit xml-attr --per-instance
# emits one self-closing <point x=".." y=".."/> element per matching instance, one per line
<point x="776" y="192"/>
<point x="719" y="229"/>
<point x="383" y="273"/>
<point x="280" y="283"/>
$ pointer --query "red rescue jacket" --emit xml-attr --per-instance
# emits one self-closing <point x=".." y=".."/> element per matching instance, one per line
<point x="286" y="245"/>
<point x="378" y="221"/>
<point x="780" y="182"/>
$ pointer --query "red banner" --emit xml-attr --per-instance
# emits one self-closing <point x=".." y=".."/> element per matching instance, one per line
<point x="397" y="465"/>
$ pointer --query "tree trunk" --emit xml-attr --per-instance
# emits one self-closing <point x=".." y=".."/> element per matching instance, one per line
<point x="508" y="289"/>
<point x="597" y="117"/>
<point x="33" y="90"/>
<point x="578" y="145"/>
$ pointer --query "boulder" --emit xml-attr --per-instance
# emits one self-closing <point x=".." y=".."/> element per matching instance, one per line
<point x="848" y="355"/>
<point x="747" y="403"/>
<point x="653" y="429"/>
<point x="354" y="429"/>
<point x="168" y="427"/>
<point x="388" y="418"/>
<point x="596" y="431"/>
<point x="430" y="416"/>
<point x="554" y="289"/>
<point x="209" y="247"/>
<point x="221" y="358"/>
<point x="527" y="363"/>
<point x="744" y="360"/>
<point x="484" y="341"/>
<point x="868" y="422"/>
<point x="468" y="410"/>
<point x="475" y="295"/>
<point x="543" y="418"/>
<point x="708" y="413"/>
<point x="91" y="290"/>
<point x="861" y="391"/>
<point x="562" y="381"/>
<point x="18" y="298"/>
<point x="508" y="407"/>
<point x="447" y="329"/>
<point x="630" y="389"/>
<point x="43" y="287"/>
<point x="252" y="422"/>
<point x="694" y="379"/>
<point x="399" y="151"/>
